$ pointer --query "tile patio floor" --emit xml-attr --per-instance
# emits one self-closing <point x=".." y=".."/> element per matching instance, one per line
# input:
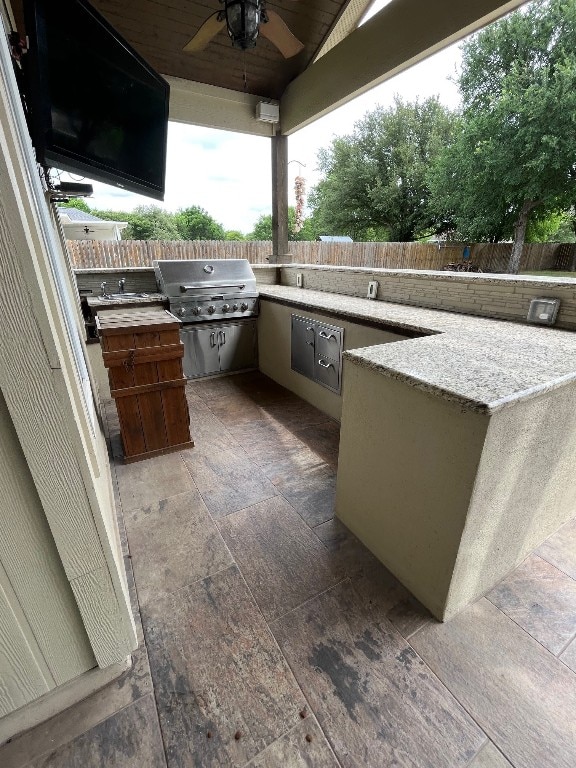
<point x="271" y="638"/>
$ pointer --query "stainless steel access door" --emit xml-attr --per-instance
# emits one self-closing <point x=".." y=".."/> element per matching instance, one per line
<point x="302" y="345"/>
<point x="237" y="346"/>
<point x="200" y="351"/>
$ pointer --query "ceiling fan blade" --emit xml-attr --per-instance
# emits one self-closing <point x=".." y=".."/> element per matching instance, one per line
<point x="207" y="31"/>
<point x="276" y="30"/>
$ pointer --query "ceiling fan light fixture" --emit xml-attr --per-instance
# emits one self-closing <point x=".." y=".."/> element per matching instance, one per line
<point x="243" y="20"/>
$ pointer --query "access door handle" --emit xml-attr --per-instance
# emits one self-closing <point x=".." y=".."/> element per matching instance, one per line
<point x="213" y="339"/>
<point x="324" y="364"/>
<point x="222" y="337"/>
<point x="327" y="336"/>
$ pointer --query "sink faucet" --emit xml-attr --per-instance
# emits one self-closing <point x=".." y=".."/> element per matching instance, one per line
<point x="103" y="288"/>
<point x="121" y="284"/>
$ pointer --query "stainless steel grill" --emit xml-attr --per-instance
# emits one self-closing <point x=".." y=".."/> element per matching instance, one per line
<point x="200" y="290"/>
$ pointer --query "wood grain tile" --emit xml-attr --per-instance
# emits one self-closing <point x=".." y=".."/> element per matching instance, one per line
<point x="375" y="699"/>
<point x="560" y="549"/>
<point x="323" y="439"/>
<point x="146" y="482"/>
<point x="203" y="423"/>
<point x="305" y="746"/>
<point x="295" y="413"/>
<point x="490" y="757"/>
<point x="210" y="389"/>
<point x="542" y="600"/>
<point x="237" y="409"/>
<point x="523" y="697"/>
<point x="226" y="478"/>
<point x="281" y="559"/>
<point x="217" y="671"/>
<point x="267" y="442"/>
<point x="173" y="543"/>
<point x="261" y="389"/>
<point x="569" y="656"/>
<point x="379" y="591"/>
<point x="66" y="726"/>
<point x="129" y="739"/>
<point x="311" y="491"/>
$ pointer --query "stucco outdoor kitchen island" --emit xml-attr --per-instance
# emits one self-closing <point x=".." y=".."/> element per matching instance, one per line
<point x="457" y="447"/>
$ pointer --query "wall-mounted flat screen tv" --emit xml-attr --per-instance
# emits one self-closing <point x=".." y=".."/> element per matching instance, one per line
<point x="95" y="107"/>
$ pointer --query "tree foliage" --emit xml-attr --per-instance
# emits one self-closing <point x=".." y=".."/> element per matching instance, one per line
<point x="195" y="223"/>
<point x="514" y="153"/>
<point x="263" y="228"/>
<point x="374" y="184"/>
<point x="76" y="202"/>
<point x="150" y="222"/>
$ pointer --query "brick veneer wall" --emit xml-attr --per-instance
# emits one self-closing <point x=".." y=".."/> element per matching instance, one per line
<point x="505" y="297"/>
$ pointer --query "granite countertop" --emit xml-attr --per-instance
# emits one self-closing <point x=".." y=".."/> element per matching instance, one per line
<point x="481" y="364"/>
<point x="97" y="302"/>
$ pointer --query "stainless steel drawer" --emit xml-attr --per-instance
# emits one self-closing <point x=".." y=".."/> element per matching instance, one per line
<point x="327" y="372"/>
<point x="328" y="341"/>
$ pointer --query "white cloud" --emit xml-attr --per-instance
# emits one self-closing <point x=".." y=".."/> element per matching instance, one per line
<point x="229" y="175"/>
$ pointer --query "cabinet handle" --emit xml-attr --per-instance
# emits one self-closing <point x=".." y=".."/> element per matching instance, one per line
<point x="324" y="364"/>
<point x="212" y="339"/>
<point x="327" y="336"/>
<point x="222" y="337"/>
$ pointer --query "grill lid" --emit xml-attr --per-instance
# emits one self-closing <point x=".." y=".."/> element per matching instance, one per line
<point x="178" y="278"/>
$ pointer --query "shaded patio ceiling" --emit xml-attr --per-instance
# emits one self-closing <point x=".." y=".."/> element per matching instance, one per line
<point x="221" y="85"/>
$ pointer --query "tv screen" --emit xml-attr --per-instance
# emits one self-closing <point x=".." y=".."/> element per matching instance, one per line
<point x="95" y="106"/>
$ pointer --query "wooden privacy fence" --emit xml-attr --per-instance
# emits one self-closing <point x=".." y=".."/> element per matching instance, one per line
<point x="488" y="257"/>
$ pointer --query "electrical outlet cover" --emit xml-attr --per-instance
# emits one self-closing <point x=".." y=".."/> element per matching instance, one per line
<point x="299" y="280"/>
<point x="372" y="289"/>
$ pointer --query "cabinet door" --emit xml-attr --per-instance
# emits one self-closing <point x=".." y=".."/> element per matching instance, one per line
<point x="302" y="346"/>
<point x="237" y="346"/>
<point x="200" y="351"/>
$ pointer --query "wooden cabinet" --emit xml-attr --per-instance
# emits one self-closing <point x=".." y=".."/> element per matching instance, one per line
<point x="143" y="353"/>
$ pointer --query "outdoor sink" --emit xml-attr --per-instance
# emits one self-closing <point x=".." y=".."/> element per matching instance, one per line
<point x="124" y="295"/>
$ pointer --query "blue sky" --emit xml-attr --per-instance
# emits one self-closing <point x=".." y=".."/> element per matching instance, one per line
<point x="229" y="174"/>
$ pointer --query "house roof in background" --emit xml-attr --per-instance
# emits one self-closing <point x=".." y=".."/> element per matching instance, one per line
<point x="81" y="217"/>
<point x="75" y="214"/>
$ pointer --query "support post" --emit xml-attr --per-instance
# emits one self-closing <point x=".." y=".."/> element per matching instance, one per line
<point x="280" y="199"/>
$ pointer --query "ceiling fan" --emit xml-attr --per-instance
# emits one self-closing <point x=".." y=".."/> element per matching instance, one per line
<point x="245" y="20"/>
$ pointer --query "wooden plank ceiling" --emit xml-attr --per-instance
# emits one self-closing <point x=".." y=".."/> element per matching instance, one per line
<point x="159" y="29"/>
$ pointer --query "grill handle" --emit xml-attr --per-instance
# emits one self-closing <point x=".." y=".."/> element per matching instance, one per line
<point x="200" y="286"/>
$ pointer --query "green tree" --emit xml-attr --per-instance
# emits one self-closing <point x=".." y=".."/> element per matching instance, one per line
<point x="76" y="202"/>
<point x="112" y="215"/>
<point x="514" y="152"/>
<point x="234" y="235"/>
<point x="263" y="228"/>
<point x="374" y="180"/>
<point x="195" y="223"/>
<point x="150" y="222"/>
<point x="553" y="227"/>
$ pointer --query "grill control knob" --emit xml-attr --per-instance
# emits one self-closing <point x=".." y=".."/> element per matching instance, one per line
<point x="225" y="307"/>
<point x="196" y="310"/>
<point x="235" y="308"/>
<point x="181" y="311"/>
<point x="211" y="309"/>
<point x="243" y="306"/>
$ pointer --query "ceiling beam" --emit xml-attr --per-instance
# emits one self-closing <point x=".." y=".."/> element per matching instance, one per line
<point x="400" y="35"/>
<point x="207" y="105"/>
